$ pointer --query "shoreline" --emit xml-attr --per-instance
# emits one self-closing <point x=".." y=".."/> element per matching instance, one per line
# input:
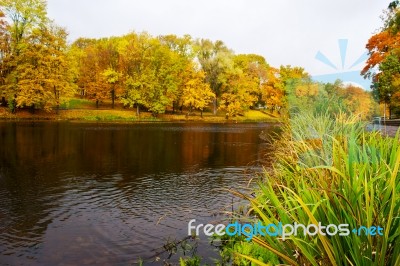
<point x="129" y="116"/>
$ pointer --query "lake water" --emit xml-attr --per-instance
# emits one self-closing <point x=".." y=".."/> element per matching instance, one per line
<point x="109" y="194"/>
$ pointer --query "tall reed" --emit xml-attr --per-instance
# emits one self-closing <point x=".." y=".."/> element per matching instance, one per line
<point x="331" y="171"/>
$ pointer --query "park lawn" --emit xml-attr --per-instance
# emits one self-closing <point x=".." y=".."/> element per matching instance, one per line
<point x="130" y="115"/>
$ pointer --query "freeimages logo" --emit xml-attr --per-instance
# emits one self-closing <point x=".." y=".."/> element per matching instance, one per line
<point x="343" y="72"/>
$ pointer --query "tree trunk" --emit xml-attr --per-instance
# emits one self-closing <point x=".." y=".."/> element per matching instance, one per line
<point x="3" y="101"/>
<point x="14" y="105"/>
<point x="201" y="113"/>
<point x="97" y="103"/>
<point x="113" y="97"/>
<point x="57" y="97"/>
<point x="137" y="110"/>
<point x="215" y="105"/>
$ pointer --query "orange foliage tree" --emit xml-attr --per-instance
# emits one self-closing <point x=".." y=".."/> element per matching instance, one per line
<point x="383" y="64"/>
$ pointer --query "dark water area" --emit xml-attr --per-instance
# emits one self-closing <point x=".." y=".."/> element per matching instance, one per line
<point x="110" y="194"/>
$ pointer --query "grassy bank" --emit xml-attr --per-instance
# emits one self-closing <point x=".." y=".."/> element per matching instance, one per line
<point x="130" y="115"/>
<point x="328" y="170"/>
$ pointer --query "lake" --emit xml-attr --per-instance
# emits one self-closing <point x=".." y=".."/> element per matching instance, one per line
<point x="74" y="193"/>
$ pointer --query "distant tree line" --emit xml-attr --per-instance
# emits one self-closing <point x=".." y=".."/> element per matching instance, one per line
<point x="38" y="69"/>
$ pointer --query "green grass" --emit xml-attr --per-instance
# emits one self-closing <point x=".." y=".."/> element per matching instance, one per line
<point x="112" y="117"/>
<point x="334" y="172"/>
<point x="83" y="109"/>
<point x="76" y="103"/>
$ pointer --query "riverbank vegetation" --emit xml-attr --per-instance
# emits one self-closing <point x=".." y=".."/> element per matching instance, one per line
<point x="140" y="72"/>
<point x="330" y="172"/>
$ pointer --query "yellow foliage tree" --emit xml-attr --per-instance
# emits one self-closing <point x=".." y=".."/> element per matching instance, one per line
<point x="272" y="89"/>
<point x="238" y="94"/>
<point x="42" y="71"/>
<point x="196" y="93"/>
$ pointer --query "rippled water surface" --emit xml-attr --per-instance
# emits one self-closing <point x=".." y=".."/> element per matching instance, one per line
<point x="109" y="194"/>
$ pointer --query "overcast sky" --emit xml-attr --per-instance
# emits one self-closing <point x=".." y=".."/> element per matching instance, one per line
<point x="283" y="31"/>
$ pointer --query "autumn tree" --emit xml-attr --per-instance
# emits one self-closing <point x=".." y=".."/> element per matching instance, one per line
<point x="112" y="78"/>
<point x="35" y="71"/>
<point x="164" y="74"/>
<point x="244" y="84"/>
<point x="337" y="97"/>
<point x="76" y="56"/>
<point x="197" y="93"/>
<point x="298" y="86"/>
<point x="358" y="101"/>
<point x="255" y="70"/>
<point x="151" y="73"/>
<point x="272" y="89"/>
<point x="382" y="65"/>
<point x="135" y="65"/>
<point x="25" y="16"/>
<point x="290" y="75"/>
<point x="5" y="51"/>
<point x="237" y="96"/>
<point x="95" y="72"/>
<point x="182" y="47"/>
<point x="90" y="81"/>
<point x="215" y="59"/>
<point x="42" y="71"/>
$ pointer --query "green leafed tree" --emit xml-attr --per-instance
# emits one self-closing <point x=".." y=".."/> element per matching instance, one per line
<point x="215" y="59"/>
<point x="387" y="82"/>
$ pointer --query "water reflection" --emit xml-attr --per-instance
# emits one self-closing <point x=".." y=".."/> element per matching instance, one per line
<point x="78" y="193"/>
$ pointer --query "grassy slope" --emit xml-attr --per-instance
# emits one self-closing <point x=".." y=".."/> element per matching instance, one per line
<point x="85" y="110"/>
